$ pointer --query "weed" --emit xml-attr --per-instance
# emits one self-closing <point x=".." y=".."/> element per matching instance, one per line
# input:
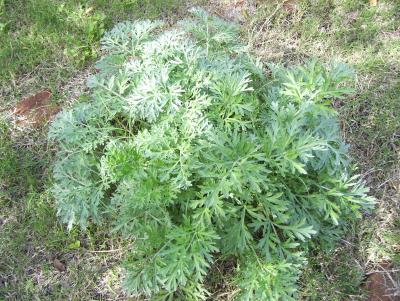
<point x="366" y="38"/>
<point x="45" y="44"/>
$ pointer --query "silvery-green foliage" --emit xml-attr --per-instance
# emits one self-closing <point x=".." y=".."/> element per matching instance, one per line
<point x="187" y="146"/>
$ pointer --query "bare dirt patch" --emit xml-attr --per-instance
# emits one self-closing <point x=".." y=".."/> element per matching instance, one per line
<point x="35" y="110"/>
<point x="382" y="284"/>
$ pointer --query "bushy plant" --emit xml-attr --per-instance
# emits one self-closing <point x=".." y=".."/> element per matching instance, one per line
<point x="189" y="147"/>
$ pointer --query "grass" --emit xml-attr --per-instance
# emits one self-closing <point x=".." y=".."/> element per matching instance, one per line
<point x="55" y="39"/>
<point x="54" y="45"/>
<point x="37" y="239"/>
<point x="31" y="237"/>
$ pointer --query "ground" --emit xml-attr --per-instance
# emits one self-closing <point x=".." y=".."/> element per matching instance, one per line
<point x="51" y="50"/>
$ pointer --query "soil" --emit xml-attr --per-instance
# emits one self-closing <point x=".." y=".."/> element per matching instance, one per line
<point x="382" y="284"/>
<point x="35" y="110"/>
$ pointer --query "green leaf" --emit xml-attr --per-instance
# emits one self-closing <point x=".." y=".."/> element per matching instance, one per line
<point x="187" y="147"/>
<point x="75" y="245"/>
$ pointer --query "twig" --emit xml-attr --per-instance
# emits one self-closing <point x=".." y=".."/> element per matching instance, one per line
<point x="386" y="271"/>
<point x="107" y="251"/>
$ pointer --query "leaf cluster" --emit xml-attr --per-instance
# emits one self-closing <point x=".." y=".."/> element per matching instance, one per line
<point x="189" y="147"/>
